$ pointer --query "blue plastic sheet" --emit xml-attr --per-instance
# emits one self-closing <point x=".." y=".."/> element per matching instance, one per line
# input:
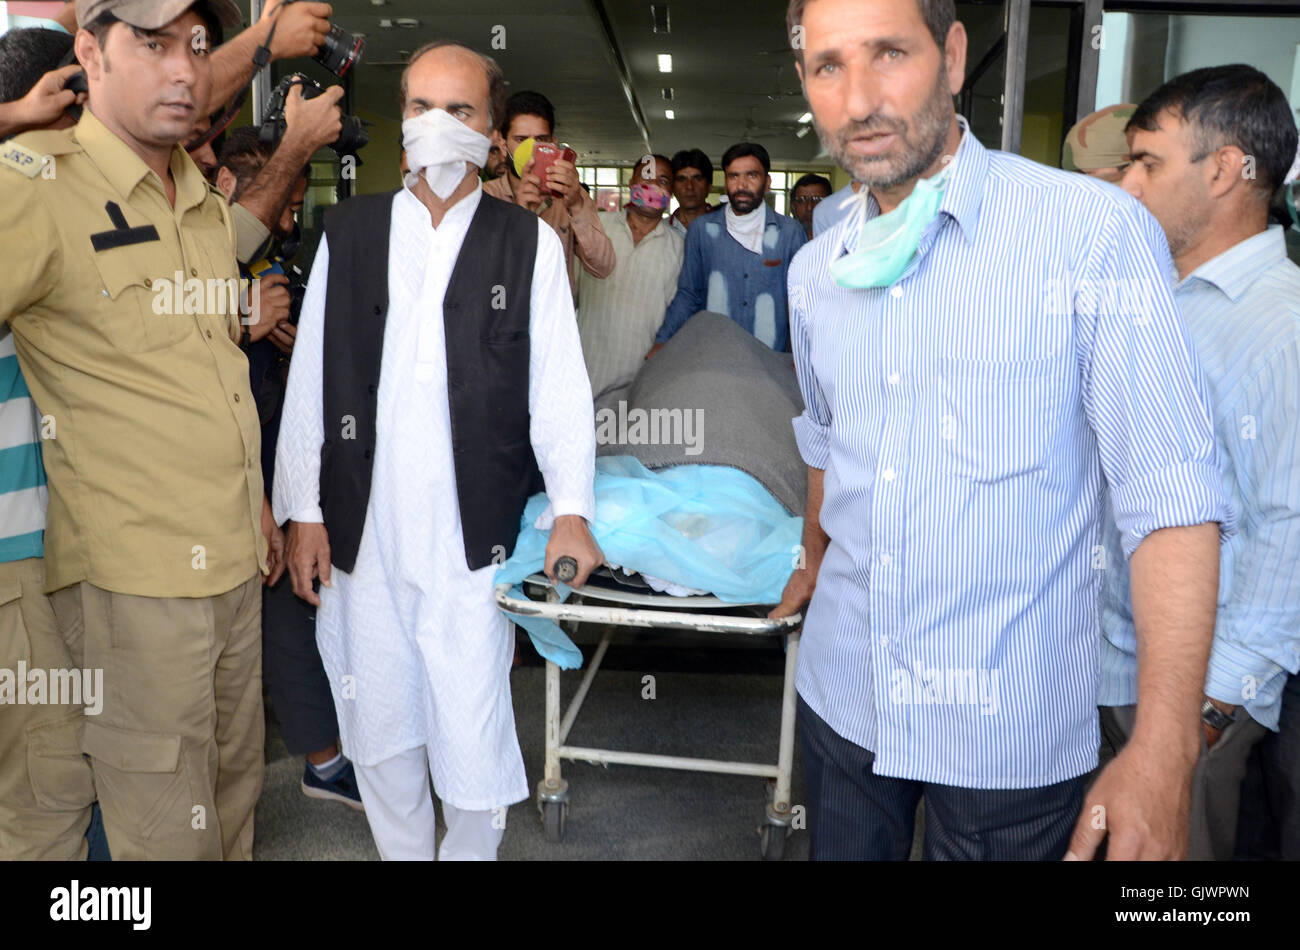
<point x="702" y="526"/>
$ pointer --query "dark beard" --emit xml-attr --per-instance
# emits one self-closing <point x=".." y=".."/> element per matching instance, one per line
<point x="922" y="148"/>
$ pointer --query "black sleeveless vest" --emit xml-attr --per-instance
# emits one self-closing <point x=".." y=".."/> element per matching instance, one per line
<point x="485" y="315"/>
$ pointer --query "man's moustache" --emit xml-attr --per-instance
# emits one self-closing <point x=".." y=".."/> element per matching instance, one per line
<point x="873" y="125"/>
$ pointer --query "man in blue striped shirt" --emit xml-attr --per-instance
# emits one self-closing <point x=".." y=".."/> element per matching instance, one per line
<point x="975" y="365"/>
<point x="1210" y="149"/>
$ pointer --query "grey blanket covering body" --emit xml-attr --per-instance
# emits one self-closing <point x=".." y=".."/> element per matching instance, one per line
<point x="743" y="396"/>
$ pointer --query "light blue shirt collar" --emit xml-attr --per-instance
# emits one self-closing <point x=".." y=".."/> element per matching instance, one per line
<point x="1239" y="266"/>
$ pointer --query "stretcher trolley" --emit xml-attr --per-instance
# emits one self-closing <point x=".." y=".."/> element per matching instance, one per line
<point x="608" y="602"/>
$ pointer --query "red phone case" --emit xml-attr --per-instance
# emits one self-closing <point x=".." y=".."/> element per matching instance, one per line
<point x="546" y="154"/>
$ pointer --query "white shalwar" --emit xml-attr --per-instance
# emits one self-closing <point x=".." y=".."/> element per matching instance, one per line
<point x="417" y="653"/>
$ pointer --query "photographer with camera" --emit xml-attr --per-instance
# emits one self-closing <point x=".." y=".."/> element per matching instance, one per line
<point x="309" y="125"/>
<point x="157" y="533"/>
<point x="291" y="663"/>
<point x="287" y="29"/>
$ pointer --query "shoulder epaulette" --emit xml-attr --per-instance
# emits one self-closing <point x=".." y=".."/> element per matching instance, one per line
<point x="28" y="153"/>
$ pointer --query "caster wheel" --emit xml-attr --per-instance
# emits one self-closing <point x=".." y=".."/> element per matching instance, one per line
<point x="771" y="841"/>
<point x="554" y="817"/>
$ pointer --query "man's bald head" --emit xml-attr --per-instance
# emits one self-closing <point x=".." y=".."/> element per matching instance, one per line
<point x="441" y="54"/>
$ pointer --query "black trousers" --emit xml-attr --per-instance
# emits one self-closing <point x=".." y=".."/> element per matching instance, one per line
<point x="856" y="815"/>
<point x="1268" y="826"/>
<point x="292" y="670"/>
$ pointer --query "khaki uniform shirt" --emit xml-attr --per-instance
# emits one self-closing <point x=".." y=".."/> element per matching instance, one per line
<point x="151" y="436"/>
<point x="580" y="232"/>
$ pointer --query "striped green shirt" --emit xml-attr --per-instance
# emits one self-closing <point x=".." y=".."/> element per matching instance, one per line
<point x="23" y="495"/>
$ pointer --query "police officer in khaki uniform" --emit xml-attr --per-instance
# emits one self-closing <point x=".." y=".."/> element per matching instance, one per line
<point x="118" y="262"/>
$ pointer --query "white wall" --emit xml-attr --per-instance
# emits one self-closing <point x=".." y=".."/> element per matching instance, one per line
<point x="1270" y="44"/>
<point x="1267" y="43"/>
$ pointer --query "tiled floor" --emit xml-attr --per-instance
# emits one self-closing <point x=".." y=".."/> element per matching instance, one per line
<point x="709" y="703"/>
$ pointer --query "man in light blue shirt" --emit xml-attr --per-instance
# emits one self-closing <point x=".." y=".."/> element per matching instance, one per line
<point x="965" y="404"/>
<point x="1191" y="142"/>
<point x="834" y="209"/>
<point x="806" y="196"/>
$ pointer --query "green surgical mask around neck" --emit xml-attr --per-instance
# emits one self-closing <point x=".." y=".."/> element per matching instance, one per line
<point x="888" y="242"/>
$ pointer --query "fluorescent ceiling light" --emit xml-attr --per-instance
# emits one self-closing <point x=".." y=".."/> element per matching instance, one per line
<point x="806" y="118"/>
<point x="665" y="63"/>
<point x="668" y="114"/>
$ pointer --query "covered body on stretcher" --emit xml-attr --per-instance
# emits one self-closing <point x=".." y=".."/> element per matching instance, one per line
<point x="699" y="483"/>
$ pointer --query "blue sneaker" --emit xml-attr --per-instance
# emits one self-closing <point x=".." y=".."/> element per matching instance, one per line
<point x="341" y="788"/>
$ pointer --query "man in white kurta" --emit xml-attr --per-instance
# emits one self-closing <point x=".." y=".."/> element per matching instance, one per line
<point x="417" y="654"/>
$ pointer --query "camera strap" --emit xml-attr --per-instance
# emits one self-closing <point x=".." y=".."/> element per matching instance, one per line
<point x="260" y="58"/>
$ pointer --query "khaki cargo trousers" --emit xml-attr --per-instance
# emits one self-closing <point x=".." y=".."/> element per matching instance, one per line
<point x="177" y="750"/>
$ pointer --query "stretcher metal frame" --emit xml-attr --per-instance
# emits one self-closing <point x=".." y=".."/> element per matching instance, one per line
<point x="691" y="614"/>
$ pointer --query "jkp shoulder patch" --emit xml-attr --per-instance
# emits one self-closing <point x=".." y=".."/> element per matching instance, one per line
<point x="21" y="159"/>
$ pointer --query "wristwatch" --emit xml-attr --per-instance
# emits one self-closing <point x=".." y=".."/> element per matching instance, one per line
<point x="1216" y="718"/>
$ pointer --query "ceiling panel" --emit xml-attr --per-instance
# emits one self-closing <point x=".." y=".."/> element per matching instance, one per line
<point x="553" y="47"/>
<point x="725" y="69"/>
<point x="733" y="76"/>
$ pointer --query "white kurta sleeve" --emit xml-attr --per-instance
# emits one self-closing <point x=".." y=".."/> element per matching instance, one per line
<point x="563" y="424"/>
<point x="302" y="426"/>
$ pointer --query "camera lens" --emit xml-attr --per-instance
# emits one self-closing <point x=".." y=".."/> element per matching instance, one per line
<point x="340" y="51"/>
<point x="353" y="138"/>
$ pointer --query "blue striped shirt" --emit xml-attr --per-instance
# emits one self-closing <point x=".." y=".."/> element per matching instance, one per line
<point x="965" y="418"/>
<point x="1243" y="311"/>
<point x="23" y="494"/>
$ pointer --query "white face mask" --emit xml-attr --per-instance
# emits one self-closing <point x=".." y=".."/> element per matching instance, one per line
<point x="438" y="146"/>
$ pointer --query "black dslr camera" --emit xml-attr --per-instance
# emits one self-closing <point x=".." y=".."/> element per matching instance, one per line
<point x="340" y="50"/>
<point x="351" y="140"/>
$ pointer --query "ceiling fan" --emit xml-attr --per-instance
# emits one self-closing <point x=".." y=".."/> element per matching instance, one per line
<point x="755" y="129"/>
<point x="778" y="93"/>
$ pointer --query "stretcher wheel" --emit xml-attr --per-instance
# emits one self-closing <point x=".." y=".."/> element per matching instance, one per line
<point x="771" y="841"/>
<point x="555" y="816"/>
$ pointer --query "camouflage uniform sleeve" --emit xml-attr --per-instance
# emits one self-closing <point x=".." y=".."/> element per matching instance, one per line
<point x="250" y="233"/>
